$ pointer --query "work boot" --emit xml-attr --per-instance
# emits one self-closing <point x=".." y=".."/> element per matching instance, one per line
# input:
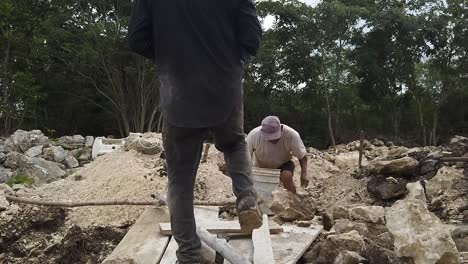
<point x="249" y="214"/>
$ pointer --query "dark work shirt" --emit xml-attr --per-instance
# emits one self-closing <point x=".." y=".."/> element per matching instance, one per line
<point x="199" y="47"/>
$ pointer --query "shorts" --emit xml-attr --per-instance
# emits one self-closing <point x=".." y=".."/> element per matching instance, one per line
<point x="288" y="166"/>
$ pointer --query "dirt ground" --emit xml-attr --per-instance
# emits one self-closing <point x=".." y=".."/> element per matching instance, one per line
<point x="39" y="235"/>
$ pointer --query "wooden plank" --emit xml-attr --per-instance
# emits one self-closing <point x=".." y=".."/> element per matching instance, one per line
<point x="143" y="244"/>
<point x="219" y="227"/>
<point x="263" y="252"/>
<point x="202" y="214"/>
<point x="288" y="247"/>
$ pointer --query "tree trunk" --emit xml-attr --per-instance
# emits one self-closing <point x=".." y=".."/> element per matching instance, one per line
<point x="330" y="128"/>
<point x="160" y="123"/>
<point x="434" y="128"/>
<point x="421" y="122"/>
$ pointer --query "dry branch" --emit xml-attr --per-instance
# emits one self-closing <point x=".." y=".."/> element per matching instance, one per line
<point x="105" y="203"/>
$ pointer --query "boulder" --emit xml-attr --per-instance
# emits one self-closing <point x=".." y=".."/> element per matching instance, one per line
<point x="419" y="234"/>
<point x="377" y="142"/>
<point x="445" y="179"/>
<point x="6" y="189"/>
<point x="405" y="166"/>
<point x="2" y="157"/>
<point x="42" y="171"/>
<point x="459" y="140"/>
<point x="312" y="255"/>
<point x="85" y="156"/>
<point x="382" y="189"/>
<point x="427" y="166"/>
<point x="416" y="191"/>
<point x="147" y="143"/>
<point x="459" y="145"/>
<point x="71" y="162"/>
<point x="384" y="240"/>
<point x="34" y="151"/>
<point x="22" y="140"/>
<point x="349" y="257"/>
<point x="327" y="220"/>
<point x="460" y="236"/>
<point x="340" y="212"/>
<point x="17" y="187"/>
<point x="72" y="142"/>
<point x="289" y="207"/>
<point x="369" y="214"/>
<point x="57" y="154"/>
<point x="334" y="244"/>
<point x="397" y="152"/>
<point x="380" y="255"/>
<point x="89" y="141"/>
<point x="4" y="204"/>
<point x="344" y="226"/>
<point x="5" y="174"/>
<point x="349" y="160"/>
<point x="15" y="160"/>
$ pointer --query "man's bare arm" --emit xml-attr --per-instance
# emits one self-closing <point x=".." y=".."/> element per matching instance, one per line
<point x="304" y="176"/>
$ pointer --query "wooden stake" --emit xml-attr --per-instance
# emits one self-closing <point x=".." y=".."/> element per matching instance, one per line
<point x="361" y="147"/>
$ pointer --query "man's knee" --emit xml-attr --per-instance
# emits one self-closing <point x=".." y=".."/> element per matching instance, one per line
<point x="286" y="175"/>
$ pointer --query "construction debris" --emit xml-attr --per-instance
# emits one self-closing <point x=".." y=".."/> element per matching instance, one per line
<point x="374" y="214"/>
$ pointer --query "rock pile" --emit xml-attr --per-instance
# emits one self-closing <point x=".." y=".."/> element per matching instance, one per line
<point x="31" y="154"/>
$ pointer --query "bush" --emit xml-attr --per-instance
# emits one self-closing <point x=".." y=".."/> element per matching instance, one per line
<point x="20" y="179"/>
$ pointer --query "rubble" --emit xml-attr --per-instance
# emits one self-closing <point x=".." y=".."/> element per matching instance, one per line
<point x="72" y="142"/>
<point x="403" y="167"/>
<point x="419" y="234"/>
<point x="56" y="153"/>
<point x="446" y="179"/>
<point x="344" y="226"/>
<point x="416" y="191"/>
<point x="360" y="207"/>
<point x="71" y="162"/>
<point x="380" y="255"/>
<point x="383" y="189"/>
<point x="5" y="174"/>
<point x="34" y="151"/>
<point x="15" y="160"/>
<point x="370" y="214"/>
<point x="42" y="171"/>
<point x="22" y="140"/>
<point x="89" y="140"/>
<point x="349" y="160"/>
<point x="4" y="204"/>
<point x="289" y="207"/>
<point x="148" y="143"/>
<point x="334" y="244"/>
<point x="349" y="257"/>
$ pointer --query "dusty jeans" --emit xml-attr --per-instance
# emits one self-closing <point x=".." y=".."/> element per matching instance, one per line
<point x="183" y="150"/>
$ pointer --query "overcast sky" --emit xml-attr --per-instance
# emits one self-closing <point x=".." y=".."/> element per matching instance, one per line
<point x="311" y="2"/>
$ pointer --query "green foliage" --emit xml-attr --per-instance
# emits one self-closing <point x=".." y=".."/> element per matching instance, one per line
<point x="20" y="179"/>
<point x="396" y="69"/>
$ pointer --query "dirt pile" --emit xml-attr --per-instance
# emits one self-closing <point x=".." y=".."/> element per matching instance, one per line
<point x="124" y="175"/>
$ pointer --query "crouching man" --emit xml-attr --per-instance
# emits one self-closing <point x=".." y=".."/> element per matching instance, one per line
<point x="274" y="145"/>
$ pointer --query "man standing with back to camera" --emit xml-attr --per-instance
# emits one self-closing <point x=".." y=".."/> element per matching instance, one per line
<point x="200" y="48"/>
